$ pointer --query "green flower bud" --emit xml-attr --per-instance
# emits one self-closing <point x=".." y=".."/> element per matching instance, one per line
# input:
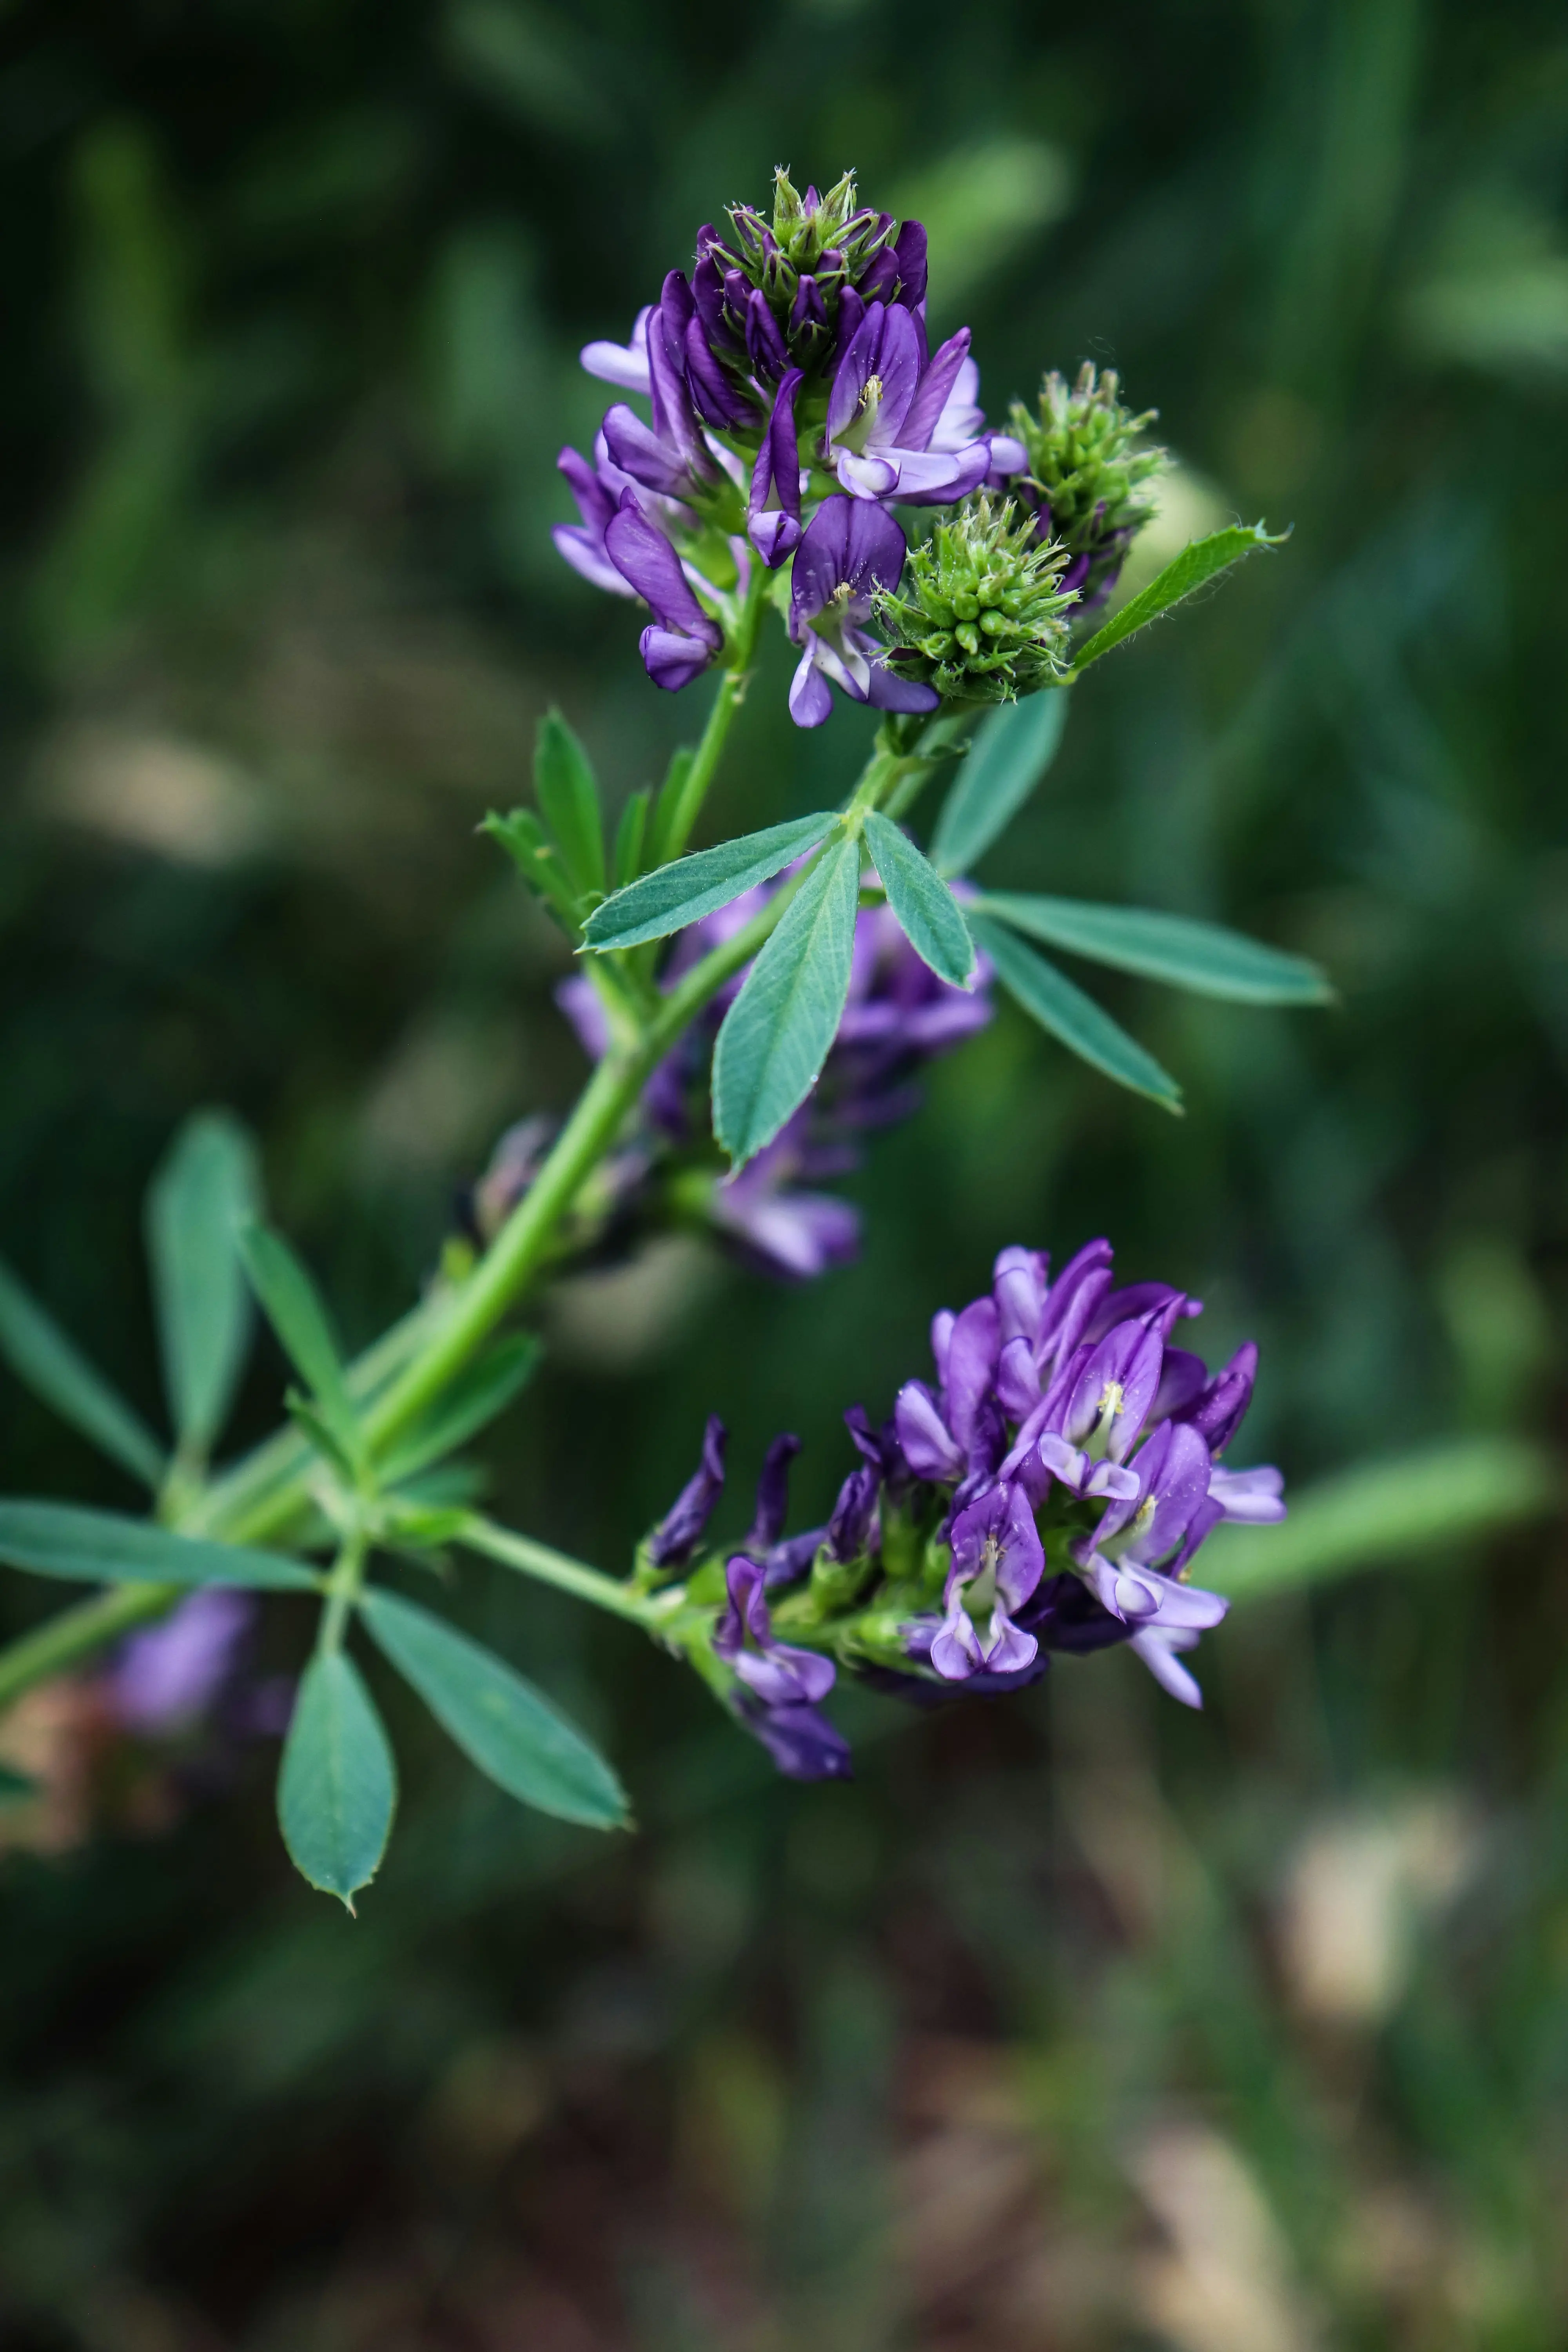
<point x="980" y="613"/>
<point x="1087" y="474"/>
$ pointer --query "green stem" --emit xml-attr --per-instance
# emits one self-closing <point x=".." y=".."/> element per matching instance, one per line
<point x="263" y="1496"/>
<point x="726" y="702"/>
<point x="547" y="1566"/>
<point x="62" y="1642"/>
<point x="342" y="1591"/>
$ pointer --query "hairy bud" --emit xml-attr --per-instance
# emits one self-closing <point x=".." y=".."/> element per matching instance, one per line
<point x="981" y="610"/>
<point x="1088" y="474"/>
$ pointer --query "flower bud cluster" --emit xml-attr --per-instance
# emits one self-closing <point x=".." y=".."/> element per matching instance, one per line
<point x="980" y="614"/>
<point x="1047" y="1492"/>
<point x="1086" y="476"/>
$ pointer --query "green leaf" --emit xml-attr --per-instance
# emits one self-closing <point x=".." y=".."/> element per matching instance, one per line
<point x="338" y="1784"/>
<point x="293" y="1306"/>
<point x="481" y="1392"/>
<point x="1195" y="565"/>
<point x="204" y="1191"/>
<point x="1413" y="1510"/>
<point x="54" y="1369"/>
<point x="1050" y="998"/>
<point x="776" y="1034"/>
<point x="499" y="1721"/>
<point x="15" y="1788"/>
<point x="1007" y="758"/>
<point x="665" y="802"/>
<point x="630" y="833"/>
<point x="88" y="1546"/>
<point x="1203" y="957"/>
<point x="693" y="886"/>
<point x="568" y="798"/>
<point x="929" y="915"/>
<point x="538" y="861"/>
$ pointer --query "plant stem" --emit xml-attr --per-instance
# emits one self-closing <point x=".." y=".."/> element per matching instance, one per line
<point x="263" y="1496"/>
<point x="342" y="1591"/>
<point x="726" y="702"/>
<point x="538" y="1561"/>
<point x="60" y="1642"/>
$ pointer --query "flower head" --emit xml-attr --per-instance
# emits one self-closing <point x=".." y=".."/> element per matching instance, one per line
<point x="980" y="614"/>
<point x="1086" y="473"/>
<point x="1047" y="1492"/>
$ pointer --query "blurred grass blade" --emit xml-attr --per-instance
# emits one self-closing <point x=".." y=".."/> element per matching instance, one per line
<point x="568" y="798"/>
<point x="927" y="912"/>
<point x="475" y="1397"/>
<point x="1184" y="953"/>
<point x="1195" y="565"/>
<point x="1007" y="758"/>
<point x="54" y="1368"/>
<point x="499" y="1721"/>
<point x="1051" y="999"/>
<point x="293" y="1306"/>
<point x="1412" y="1510"/>
<point x="87" y="1546"/>
<point x="776" y="1034"/>
<point x="205" y="1189"/>
<point x="693" y="886"/>
<point x="338" y="1785"/>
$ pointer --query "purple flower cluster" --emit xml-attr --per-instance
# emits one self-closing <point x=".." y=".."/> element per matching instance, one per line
<point x="794" y="399"/>
<point x="773" y="1214"/>
<point x="1048" y="1491"/>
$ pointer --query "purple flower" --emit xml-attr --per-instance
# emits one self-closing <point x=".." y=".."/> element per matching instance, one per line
<point x="772" y="515"/>
<point x="681" y="639"/>
<point x="678" y="1534"/>
<point x="850" y="1528"/>
<point x="1254" y="1496"/>
<point x="849" y="550"/>
<point x="625" y="364"/>
<point x="597" y="489"/>
<point x="941" y="1434"/>
<point x="166" y="1678"/>
<point x="803" y="1744"/>
<point x="773" y="1496"/>
<point x="884" y="410"/>
<point x="997" y="1561"/>
<point x="774" y="1671"/>
<point x="794" y="1235"/>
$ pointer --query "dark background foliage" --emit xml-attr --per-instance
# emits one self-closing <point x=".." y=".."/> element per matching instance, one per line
<point x="1077" y="2022"/>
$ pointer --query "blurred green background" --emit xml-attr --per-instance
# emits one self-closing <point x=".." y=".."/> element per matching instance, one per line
<point x="1078" y="2022"/>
